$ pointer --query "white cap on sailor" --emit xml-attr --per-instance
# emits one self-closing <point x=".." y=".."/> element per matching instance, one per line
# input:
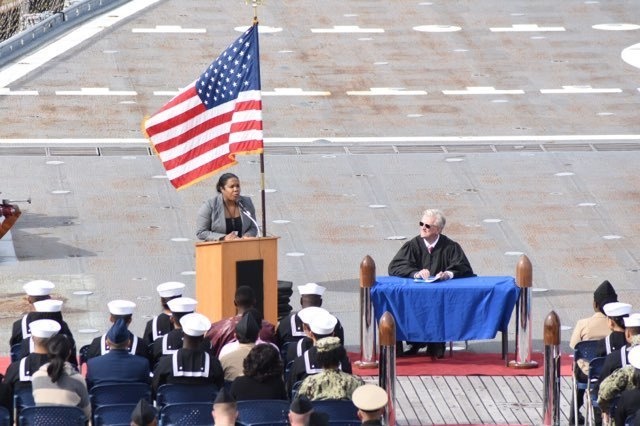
<point x="616" y="309"/>
<point x="48" y="305"/>
<point x="632" y="320"/>
<point x="324" y="323"/>
<point x="307" y="314"/>
<point x="311" y="288"/>
<point x="121" y="307"/>
<point x="170" y="289"/>
<point x="44" y="328"/>
<point x="195" y="324"/>
<point x="38" y="288"/>
<point x="182" y="304"/>
<point x="634" y="356"/>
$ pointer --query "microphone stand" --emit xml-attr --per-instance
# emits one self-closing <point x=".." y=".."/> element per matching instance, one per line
<point x="248" y="214"/>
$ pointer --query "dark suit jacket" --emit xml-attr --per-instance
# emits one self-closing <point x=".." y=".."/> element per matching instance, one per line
<point x="117" y="366"/>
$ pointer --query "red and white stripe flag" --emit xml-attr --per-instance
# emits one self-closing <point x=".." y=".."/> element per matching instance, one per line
<point x="200" y="131"/>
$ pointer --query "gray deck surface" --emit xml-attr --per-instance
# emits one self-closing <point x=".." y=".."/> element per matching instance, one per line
<point x="554" y="176"/>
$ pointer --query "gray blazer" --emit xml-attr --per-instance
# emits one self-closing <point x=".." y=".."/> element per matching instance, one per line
<point x="211" y="225"/>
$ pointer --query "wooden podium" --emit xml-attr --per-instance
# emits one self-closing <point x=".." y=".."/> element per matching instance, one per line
<point x="222" y="266"/>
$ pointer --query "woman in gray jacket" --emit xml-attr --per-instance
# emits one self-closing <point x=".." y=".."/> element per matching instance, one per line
<point x="226" y="216"/>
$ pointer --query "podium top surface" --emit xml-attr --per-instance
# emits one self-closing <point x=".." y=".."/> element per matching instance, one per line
<point x="236" y="241"/>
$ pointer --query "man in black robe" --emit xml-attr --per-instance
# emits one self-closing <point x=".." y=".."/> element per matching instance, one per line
<point x="430" y="256"/>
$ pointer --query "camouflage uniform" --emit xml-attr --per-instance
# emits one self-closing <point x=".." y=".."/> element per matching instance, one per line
<point x="329" y="384"/>
<point x="611" y="387"/>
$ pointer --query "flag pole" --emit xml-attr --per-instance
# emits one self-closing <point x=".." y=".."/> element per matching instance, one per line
<point x="263" y="198"/>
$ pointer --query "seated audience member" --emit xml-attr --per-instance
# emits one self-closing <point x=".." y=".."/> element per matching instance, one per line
<point x="172" y="341"/>
<point x="58" y="382"/>
<point x="119" y="309"/>
<point x="300" y="411"/>
<point x="190" y="364"/>
<point x="225" y="409"/>
<point x="117" y="365"/>
<point x="616" y="312"/>
<point x="144" y="414"/>
<point x="161" y="324"/>
<point x="629" y="402"/>
<point x="618" y="382"/>
<point x="370" y="401"/>
<point x="331" y="382"/>
<point x="35" y="290"/>
<point x="430" y="253"/>
<point x="223" y="331"/>
<point x="290" y="328"/>
<point x="305" y="315"/>
<point x="19" y="373"/>
<point x="262" y="377"/>
<point x="247" y="332"/>
<point x="321" y="325"/>
<point x="48" y="309"/>
<point x="233" y="345"/>
<point x="594" y="327"/>
<point x="619" y="358"/>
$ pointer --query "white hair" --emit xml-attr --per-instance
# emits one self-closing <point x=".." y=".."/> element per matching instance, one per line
<point x="440" y="219"/>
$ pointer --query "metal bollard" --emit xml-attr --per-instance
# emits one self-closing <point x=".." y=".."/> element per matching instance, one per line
<point x="523" y="316"/>
<point x="367" y="319"/>
<point x="551" y="401"/>
<point x="387" y="369"/>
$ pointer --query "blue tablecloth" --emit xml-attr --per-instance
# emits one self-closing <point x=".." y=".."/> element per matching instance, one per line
<point x="454" y="310"/>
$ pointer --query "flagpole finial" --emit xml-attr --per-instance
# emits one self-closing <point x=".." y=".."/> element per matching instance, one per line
<point x="255" y="4"/>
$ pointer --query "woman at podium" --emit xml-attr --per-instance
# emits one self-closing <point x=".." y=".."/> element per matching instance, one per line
<point x="228" y="215"/>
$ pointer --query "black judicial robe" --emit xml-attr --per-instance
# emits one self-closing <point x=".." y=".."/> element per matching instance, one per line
<point x="447" y="255"/>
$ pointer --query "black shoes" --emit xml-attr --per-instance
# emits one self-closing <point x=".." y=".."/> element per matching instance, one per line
<point x="436" y="350"/>
<point x="580" y="419"/>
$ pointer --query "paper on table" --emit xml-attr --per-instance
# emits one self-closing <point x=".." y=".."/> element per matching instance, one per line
<point x="431" y="279"/>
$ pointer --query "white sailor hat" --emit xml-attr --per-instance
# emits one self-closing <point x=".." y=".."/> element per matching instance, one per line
<point x="121" y="307"/>
<point x="38" y="288"/>
<point x="369" y="397"/>
<point x="170" y="289"/>
<point x="632" y="320"/>
<point x="195" y="324"/>
<point x="324" y="323"/>
<point x="311" y="288"/>
<point x="306" y="314"/>
<point x="44" y="328"/>
<point x="48" y="305"/>
<point x="634" y="356"/>
<point x="616" y="309"/>
<point x="182" y="304"/>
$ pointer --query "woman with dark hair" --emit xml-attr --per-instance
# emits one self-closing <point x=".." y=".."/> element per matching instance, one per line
<point x="262" y="378"/>
<point x="226" y="216"/>
<point x="58" y="382"/>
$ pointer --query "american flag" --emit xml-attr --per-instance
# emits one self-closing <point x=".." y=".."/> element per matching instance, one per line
<point x="201" y="129"/>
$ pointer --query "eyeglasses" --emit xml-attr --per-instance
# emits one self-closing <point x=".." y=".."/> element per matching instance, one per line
<point x="425" y="225"/>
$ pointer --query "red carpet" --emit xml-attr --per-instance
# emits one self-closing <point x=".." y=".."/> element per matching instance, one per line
<point x="462" y="364"/>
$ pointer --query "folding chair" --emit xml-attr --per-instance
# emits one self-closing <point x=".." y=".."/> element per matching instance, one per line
<point x="5" y="417"/>
<point x="595" y="367"/>
<point x="52" y="415"/>
<point x="586" y="350"/>
<point x="119" y="393"/>
<point x="111" y="415"/>
<point x="338" y="410"/>
<point x="176" y="394"/>
<point x="15" y="352"/>
<point x="186" y="414"/>
<point x="263" y="411"/>
<point x="22" y="398"/>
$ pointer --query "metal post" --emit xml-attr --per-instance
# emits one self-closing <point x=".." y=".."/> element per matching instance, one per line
<point x="367" y="319"/>
<point x="387" y="370"/>
<point x="551" y="401"/>
<point x="523" y="316"/>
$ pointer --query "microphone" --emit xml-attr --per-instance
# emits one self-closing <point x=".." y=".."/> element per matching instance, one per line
<point x="246" y="212"/>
